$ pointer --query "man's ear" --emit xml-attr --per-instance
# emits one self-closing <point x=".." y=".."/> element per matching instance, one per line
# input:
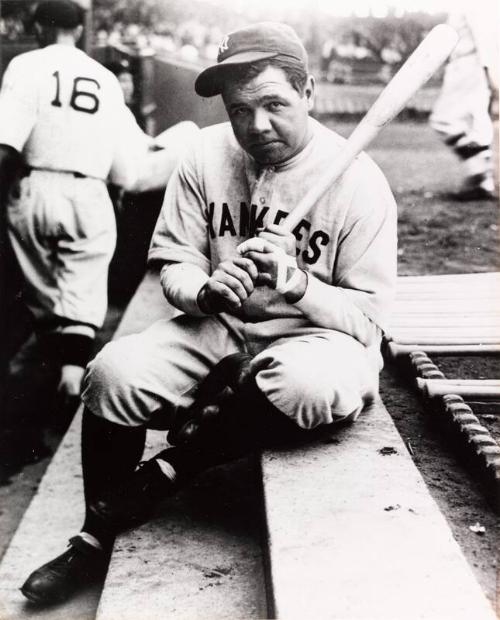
<point x="78" y="32"/>
<point x="309" y="91"/>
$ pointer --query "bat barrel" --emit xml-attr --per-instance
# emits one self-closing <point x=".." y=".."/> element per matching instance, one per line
<point x="416" y="71"/>
<point x="419" y="67"/>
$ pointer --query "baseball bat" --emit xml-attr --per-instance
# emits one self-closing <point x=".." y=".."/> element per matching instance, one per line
<point x="423" y="62"/>
<point x="433" y="388"/>
<point x="396" y="350"/>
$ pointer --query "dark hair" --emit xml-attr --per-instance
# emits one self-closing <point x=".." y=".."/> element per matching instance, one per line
<point x="295" y="72"/>
<point x="61" y="14"/>
<point x="117" y="68"/>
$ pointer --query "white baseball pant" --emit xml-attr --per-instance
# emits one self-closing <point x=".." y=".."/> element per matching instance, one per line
<point x="63" y="233"/>
<point x="314" y="379"/>
<point x="461" y="115"/>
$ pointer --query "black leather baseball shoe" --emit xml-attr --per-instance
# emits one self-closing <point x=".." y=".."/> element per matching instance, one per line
<point x="471" y="194"/>
<point x="134" y="501"/>
<point x="72" y="571"/>
<point x="476" y="187"/>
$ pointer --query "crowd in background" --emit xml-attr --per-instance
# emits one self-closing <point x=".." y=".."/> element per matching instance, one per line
<point x="11" y="28"/>
<point x="341" y="50"/>
<point x="189" y="40"/>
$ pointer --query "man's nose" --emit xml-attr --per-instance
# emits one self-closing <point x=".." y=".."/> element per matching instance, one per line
<point x="260" y="121"/>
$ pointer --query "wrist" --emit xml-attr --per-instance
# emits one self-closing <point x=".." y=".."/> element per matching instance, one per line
<point x="298" y="291"/>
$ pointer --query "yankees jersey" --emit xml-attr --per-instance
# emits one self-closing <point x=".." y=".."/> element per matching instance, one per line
<point x="64" y="111"/>
<point x="218" y="197"/>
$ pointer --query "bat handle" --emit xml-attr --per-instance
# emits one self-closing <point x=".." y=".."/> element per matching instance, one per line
<point x="360" y="137"/>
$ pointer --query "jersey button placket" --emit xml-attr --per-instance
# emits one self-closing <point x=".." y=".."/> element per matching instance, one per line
<point x="262" y="192"/>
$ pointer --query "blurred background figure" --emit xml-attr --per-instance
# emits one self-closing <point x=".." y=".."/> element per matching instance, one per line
<point x="136" y="212"/>
<point x="468" y="100"/>
<point x="126" y="80"/>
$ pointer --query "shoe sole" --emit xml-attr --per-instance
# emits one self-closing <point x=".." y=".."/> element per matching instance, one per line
<point x="36" y="599"/>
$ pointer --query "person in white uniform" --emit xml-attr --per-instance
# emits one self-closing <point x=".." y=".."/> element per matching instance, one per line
<point x="64" y="120"/>
<point x="463" y="112"/>
<point x="279" y="333"/>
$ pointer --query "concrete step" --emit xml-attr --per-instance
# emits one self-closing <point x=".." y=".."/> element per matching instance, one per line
<point x="376" y="546"/>
<point x="147" y="306"/>
<point x="202" y="553"/>
<point x="54" y="515"/>
<point x="56" y="510"/>
<point x="201" y="556"/>
<point x="352" y="533"/>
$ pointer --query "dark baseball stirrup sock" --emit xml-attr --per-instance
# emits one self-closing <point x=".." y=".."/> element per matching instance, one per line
<point x="110" y="454"/>
<point x="70" y="343"/>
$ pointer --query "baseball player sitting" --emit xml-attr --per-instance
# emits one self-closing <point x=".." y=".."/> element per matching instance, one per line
<point x="279" y="333"/>
<point x="64" y="128"/>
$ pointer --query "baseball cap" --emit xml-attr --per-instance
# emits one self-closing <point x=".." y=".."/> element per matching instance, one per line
<point x="58" y="13"/>
<point x="118" y="68"/>
<point x="247" y="45"/>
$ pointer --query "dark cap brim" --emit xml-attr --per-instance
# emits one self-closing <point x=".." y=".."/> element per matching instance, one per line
<point x="211" y="81"/>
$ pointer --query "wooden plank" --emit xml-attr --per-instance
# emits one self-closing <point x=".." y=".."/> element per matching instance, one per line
<point x="490" y="277"/>
<point x="447" y="331"/>
<point x="471" y="317"/>
<point x="421" y="342"/>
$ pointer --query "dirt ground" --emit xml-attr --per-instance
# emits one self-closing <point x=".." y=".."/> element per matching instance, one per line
<point x="436" y="235"/>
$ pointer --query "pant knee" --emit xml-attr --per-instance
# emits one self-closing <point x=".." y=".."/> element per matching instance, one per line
<point x="110" y="385"/>
<point x="300" y="393"/>
<point x="111" y="366"/>
<point x="316" y="385"/>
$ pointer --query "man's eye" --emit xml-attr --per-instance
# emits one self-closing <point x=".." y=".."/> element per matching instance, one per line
<point x="238" y="111"/>
<point x="275" y="105"/>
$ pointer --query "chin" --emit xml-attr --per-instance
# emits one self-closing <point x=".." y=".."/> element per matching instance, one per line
<point x="268" y="156"/>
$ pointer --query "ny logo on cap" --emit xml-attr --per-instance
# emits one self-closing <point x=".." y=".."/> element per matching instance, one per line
<point x="224" y="45"/>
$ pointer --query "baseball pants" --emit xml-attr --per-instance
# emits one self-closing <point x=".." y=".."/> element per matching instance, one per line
<point x="142" y="378"/>
<point x="63" y="232"/>
<point x="461" y="115"/>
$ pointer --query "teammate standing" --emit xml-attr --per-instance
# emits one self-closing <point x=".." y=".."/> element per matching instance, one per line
<point x="463" y="112"/>
<point x="63" y="116"/>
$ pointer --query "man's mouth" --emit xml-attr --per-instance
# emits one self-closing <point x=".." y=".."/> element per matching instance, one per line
<point x="264" y="144"/>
